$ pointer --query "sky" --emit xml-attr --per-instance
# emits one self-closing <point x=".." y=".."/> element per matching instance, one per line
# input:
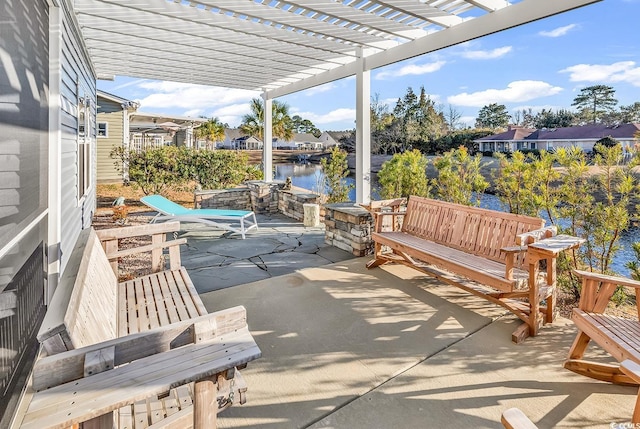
<point x="539" y="65"/>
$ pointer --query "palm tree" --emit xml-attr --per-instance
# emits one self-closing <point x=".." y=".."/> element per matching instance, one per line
<point x="211" y="131"/>
<point x="281" y="125"/>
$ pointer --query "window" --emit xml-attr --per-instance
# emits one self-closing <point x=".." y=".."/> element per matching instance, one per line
<point x="103" y="129"/>
<point x="85" y="132"/>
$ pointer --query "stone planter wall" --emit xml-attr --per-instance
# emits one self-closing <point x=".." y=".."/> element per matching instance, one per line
<point x="264" y="196"/>
<point x="260" y="197"/>
<point x="226" y="199"/>
<point x="291" y="201"/>
<point x="348" y="227"/>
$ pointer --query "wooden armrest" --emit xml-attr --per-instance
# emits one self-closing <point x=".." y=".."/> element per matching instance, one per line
<point x="535" y="235"/>
<point x="554" y="245"/>
<point x="146" y="248"/>
<point x="70" y="365"/>
<point x="514" y="249"/>
<point x="137" y="231"/>
<point x="378" y="218"/>
<point x="622" y="281"/>
<point x="513" y="418"/>
<point x="375" y="206"/>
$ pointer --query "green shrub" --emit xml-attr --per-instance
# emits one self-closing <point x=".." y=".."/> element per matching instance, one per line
<point x="403" y="175"/>
<point x="221" y="169"/>
<point x="156" y="170"/>
<point x="335" y="169"/>
<point x="459" y="178"/>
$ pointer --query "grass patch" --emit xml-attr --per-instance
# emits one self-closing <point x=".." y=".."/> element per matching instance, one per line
<point x="107" y="193"/>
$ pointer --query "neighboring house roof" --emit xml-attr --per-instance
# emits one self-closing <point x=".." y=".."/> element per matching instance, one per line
<point x="233" y="133"/>
<point x="163" y="117"/>
<point x="337" y="135"/>
<point x="513" y="133"/>
<point x="117" y="99"/>
<point x="585" y="132"/>
<point x="305" y="137"/>
<point x="246" y="139"/>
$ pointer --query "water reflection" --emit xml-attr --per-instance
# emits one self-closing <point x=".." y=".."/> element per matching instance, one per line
<point x="307" y="176"/>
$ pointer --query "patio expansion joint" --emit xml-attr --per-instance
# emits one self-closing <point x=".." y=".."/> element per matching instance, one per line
<point x="258" y="262"/>
<point x="401" y="372"/>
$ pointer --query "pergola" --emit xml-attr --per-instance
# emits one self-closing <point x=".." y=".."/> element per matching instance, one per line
<point x="281" y="47"/>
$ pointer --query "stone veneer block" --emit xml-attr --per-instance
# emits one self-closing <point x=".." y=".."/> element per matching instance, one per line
<point x="348" y="227"/>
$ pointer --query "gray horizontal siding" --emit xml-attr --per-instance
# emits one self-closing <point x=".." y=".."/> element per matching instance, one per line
<point x="77" y="80"/>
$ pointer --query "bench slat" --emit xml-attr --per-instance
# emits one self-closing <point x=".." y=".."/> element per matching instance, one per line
<point x="156" y="410"/>
<point x="167" y="298"/>
<point x="132" y="317"/>
<point x="193" y="293"/>
<point x="150" y="301"/>
<point x="142" y="306"/>
<point x="161" y="308"/>
<point x="178" y="300"/>
<point x="140" y="415"/>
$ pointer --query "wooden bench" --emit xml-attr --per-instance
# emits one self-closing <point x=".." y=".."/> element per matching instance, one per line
<point x="147" y="345"/>
<point x="491" y="254"/>
<point x="618" y="336"/>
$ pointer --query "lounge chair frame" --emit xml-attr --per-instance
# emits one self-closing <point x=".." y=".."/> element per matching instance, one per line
<point x="170" y="211"/>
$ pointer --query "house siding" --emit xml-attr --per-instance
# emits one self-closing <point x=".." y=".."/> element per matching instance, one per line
<point x="113" y="114"/>
<point x="24" y="131"/>
<point x="77" y="80"/>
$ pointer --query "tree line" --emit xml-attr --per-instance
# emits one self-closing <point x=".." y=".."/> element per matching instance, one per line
<point x="593" y="105"/>
<point x="283" y="124"/>
<point x="417" y="122"/>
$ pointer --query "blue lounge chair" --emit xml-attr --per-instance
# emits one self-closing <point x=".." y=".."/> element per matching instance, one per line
<point x="168" y="210"/>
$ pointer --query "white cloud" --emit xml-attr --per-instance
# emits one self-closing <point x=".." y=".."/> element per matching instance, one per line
<point x="338" y="115"/>
<point x="191" y="97"/>
<point x="623" y="71"/>
<point x="558" y="32"/>
<point x="515" y="92"/>
<point x="231" y="114"/>
<point x="411" y="69"/>
<point x="487" y="55"/>
<point x="193" y="113"/>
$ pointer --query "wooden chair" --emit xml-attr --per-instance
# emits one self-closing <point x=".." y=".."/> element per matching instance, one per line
<point x="618" y="336"/>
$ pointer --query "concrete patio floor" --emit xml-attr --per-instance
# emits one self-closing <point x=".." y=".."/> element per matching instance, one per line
<point x="347" y="347"/>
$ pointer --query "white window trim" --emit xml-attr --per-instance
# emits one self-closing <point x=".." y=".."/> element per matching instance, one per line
<point x="84" y="106"/>
<point x="106" y="130"/>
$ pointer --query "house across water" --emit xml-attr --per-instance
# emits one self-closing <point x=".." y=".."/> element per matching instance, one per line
<point x="549" y="139"/>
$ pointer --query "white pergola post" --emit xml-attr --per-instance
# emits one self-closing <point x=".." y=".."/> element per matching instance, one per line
<point x="363" y="131"/>
<point x="267" y="148"/>
<point x="54" y="204"/>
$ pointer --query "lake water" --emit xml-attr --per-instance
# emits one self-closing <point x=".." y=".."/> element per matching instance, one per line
<point x="307" y="176"/>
